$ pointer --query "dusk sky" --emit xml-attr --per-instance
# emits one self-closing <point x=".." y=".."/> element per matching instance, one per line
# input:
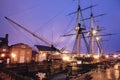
<point x="49" y="19"/>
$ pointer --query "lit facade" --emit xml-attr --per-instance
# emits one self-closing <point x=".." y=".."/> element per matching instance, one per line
<point x="41" y="56"/>
<point x="20" y="53"/>
<point x="44" y="53"/>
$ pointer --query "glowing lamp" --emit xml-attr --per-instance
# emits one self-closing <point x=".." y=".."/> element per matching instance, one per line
<point x="115" y="56"/>
<point x="107" y="56"/>
<point x="3" y="55"/>
<point x="13" y="55"/>
<point x="97" y="38"/>
<point x="88" y="55"/>
<point x="94" y="32"/>
<point x="77" y="28"/>
<point x="96" y="56"/>
<point x="79" y="62"/>
<point x="66" y="58"/>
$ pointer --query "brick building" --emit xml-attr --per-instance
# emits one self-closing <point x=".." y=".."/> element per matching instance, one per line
<point x="20" y="53"/>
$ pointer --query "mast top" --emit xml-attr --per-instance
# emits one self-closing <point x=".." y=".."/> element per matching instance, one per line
<point x="78" y="2"/>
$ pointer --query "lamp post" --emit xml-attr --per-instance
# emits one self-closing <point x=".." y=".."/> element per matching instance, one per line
<point x="2" y="55"/>
<point x="13" y="56"/>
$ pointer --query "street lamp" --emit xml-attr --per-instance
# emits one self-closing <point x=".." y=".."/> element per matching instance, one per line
<point x="115" y="56"/>
<point x="107" y="56"/>
<point x="77" y="28"/>
<point x="66" y="57"/>
<point x="97" y="38"/>
<point x="94" y="32"/>
<point x="13" y="55"/>
<point x="2" y="55"/>
<point x="88" y="55"/>
<point x="96" y="56"/>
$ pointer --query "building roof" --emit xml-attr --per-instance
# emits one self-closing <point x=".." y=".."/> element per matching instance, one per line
<point x="46" y="48"/>
<point x="22" y="45"/>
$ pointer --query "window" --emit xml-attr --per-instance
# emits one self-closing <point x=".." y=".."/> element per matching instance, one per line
<point x="22" y="59"/>
<point x="4" y="49"/>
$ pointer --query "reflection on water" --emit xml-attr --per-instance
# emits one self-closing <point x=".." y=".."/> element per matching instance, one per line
<point x="117" y="71"/>
<point x="99" y="75"/>
<point x="113" y="73"/>
<point x="108" y="74"/>
<point x="41" y="75"/>
<point x="117" y="74"/>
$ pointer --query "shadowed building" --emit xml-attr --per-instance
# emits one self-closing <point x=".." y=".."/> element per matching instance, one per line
<point x="4" y="49"/>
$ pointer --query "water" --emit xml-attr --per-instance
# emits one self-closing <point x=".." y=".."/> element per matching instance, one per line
<point x="112" y="73"/>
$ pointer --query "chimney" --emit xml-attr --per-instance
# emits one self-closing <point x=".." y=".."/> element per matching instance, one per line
<point x="6" y="36"/>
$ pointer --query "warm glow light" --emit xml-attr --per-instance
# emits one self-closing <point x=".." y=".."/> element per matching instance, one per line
<point x="57" y="53"/>
<point x="107" y="56"/>
<point x="79" y="62"/>
<point x="13" y="55"/>
<point x="97" y="38"/>
<point x="88" y="33"/>
<point x="3" y="55"/>
<point x="76" y="28"/>
<point x="65" y="51"/>
<point x="44" y="55"/>
<point x="115" y="56"/>
<point x="94" y="32"/>
<point x="88" y="55"/>
<point x="4" y="49"/>
<point x="66" y="57"/>
<point x="96" y="56"/>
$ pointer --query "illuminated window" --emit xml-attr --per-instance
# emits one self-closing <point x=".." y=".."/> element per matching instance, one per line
<point x="13" y="55"/>
<point x="22" y="59"/>
<point x="4" y="50"/>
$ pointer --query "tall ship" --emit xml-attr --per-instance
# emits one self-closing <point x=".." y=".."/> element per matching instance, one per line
<point x="50" y="60"/>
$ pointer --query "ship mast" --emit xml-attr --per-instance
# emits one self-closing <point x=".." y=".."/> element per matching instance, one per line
<point x="93" y="32"/>
<point x="78" y="27"/>
<point x="38" y="37"/>
<point x="79" y="30"/>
